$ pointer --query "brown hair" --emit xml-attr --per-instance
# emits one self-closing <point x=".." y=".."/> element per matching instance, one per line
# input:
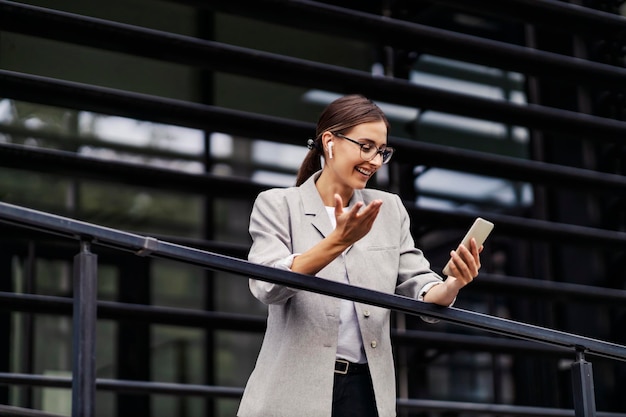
<point x="342" y="114"/>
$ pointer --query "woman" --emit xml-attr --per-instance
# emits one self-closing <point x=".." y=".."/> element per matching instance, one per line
<point x="323" y="356"/>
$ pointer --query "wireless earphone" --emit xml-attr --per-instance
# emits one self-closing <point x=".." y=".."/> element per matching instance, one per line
<point x="330" y="150"/>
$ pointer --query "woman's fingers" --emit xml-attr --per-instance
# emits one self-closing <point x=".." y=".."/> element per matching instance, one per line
<point x="460" y="269"/>
<point x="357" y="222"/>
<point x="356" y="213"/>
<point x="466" y="262"/>
<point x="338" y="205"/>
<point x="369" y="213"/>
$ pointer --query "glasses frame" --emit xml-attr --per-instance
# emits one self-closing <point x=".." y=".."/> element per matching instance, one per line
<point x="386" y="150"/>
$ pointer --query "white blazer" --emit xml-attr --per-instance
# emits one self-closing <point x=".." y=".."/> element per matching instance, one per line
<point x="294" y="371"/>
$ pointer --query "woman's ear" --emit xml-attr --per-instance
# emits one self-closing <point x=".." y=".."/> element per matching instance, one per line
<point x="326" y="141"/>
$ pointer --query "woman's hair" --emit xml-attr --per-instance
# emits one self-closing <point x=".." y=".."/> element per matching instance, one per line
<point x="339" y="116"/>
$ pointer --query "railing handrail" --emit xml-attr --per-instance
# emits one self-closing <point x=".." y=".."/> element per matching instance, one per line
<point x="147" y="246"/>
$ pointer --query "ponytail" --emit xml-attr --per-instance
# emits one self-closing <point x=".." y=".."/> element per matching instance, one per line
<point x="311" y="163"/>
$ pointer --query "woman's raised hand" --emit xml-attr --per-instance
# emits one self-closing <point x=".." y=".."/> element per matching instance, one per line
<point x="354" y="224"/>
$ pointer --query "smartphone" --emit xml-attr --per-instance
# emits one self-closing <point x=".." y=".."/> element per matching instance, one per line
<point x="480" y="230"/>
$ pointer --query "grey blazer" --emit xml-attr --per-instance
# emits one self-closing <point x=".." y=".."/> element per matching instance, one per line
<point x="294" y="371"/>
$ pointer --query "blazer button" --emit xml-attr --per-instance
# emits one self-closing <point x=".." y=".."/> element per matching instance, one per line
<point x="373" y="344"/>
<point x="366" y="313"/>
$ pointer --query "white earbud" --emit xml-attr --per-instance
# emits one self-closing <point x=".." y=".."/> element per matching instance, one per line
<point x="330" y="150"/>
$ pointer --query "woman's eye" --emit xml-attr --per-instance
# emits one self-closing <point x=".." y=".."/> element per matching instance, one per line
<point x="366" y="147"/>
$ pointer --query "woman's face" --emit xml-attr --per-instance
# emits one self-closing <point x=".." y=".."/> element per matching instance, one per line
<point x="347" y="165"/>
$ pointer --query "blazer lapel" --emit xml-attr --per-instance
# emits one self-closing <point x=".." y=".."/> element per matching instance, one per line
<point x="313" y="206"/>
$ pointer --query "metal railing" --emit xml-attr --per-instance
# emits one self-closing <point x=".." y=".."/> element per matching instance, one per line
<point x="84" y="382"/>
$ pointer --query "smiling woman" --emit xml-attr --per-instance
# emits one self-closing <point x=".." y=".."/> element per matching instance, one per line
<point x="352" y="169"/>
<point x="321" y="355"/>
<point x="340" y="116"/>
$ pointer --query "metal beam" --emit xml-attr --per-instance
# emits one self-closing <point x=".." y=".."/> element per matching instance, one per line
<point x="256" y="64"/>
<point x="582" y="384"/>
<point x="57" y="162"/>
<point x="84" y="338"/>
<point x="336" y="20"/>
<point x="571" y="17"/>
<point x="123" y="103"/>
<point x="10" y="411"/>
<point x="69" y="163"/>
<point x="384" y="30"/>
<point x="236" y="392"/>
<point x="450" y="342"/>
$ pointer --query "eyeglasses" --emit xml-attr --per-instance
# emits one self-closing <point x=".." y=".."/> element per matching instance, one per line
<point x="368" y="150"/>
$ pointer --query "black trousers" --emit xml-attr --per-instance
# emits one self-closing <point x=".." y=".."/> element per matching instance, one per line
<point x="353" y="395"/>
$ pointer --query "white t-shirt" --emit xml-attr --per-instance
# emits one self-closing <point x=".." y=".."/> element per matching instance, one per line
<point x="350" y="342"/>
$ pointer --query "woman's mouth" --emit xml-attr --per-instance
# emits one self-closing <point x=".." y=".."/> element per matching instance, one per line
<point x="365" y="172"/>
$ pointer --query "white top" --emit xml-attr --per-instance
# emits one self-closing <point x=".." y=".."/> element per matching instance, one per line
<point x="350" y="342"/>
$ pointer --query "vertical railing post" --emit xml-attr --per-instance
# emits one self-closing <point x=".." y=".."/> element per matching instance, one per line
<point x="583" y="391"/>
<point x="84" y="337"/>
